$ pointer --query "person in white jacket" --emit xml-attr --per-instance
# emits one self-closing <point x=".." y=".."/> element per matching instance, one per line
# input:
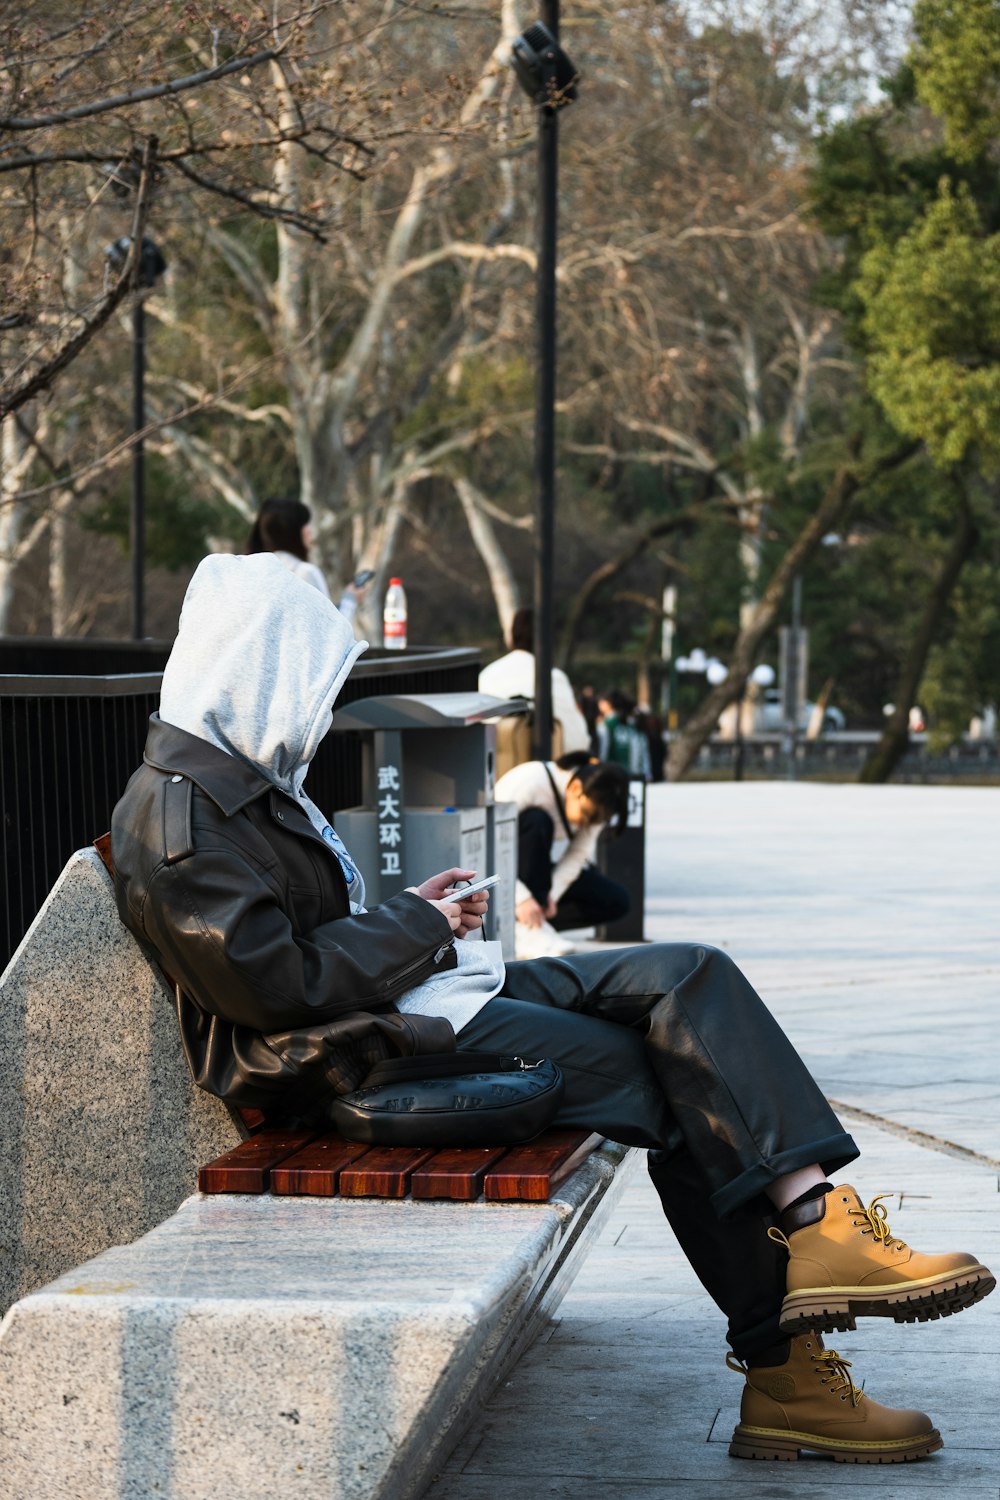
<point x="513" y="676"/>
<point x="562" y="808"/>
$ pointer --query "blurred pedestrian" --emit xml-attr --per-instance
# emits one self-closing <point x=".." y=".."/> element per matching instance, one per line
<point x="284" y="527"/>
<point x="651" y="725"/>
<point x="618" y="739"/>
<point x="513" y="676"/>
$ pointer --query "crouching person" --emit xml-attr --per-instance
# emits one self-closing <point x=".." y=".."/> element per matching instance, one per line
<point x="563" y="807"/>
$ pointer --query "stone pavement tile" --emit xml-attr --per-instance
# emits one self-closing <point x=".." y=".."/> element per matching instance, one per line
<point x="905" y="1482"/>
<point x="867" y="919"/>
<point x="629" y="1395"/>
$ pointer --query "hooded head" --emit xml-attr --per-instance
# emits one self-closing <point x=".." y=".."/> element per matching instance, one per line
<point x="259" y="659"/>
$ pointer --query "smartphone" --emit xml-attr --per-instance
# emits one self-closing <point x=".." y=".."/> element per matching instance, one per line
<point x="365" y="576"/>
<point x="461" y="891"/>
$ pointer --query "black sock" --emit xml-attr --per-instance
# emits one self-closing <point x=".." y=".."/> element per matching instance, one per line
<point x="774" y="1354"/>
<point x="819" y="1191"/>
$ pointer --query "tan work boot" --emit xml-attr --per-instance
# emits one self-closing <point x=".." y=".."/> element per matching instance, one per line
<point x="844" y="1263"/>
<point x="811" y="1403"/>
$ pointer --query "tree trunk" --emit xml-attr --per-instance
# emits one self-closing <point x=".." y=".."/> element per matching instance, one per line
<point x="58" y="577"/>
<point x="895" y="740"/>
<point x="15" y="459"/>
<point x="684" y="749"/>
<point x="501" y="574"/>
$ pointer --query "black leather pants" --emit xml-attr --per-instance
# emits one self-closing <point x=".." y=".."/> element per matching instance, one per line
<point x="668" y="1046"/>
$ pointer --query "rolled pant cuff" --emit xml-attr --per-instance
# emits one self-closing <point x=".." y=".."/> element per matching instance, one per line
<point x="755" y="1340"/>
<point x="832" y="1153"/>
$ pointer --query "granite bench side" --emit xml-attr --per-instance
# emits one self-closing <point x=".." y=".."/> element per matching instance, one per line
<point x="103" y="1131"/>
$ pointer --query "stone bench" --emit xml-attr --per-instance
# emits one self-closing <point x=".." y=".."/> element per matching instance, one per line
<point x="257" y="1347"/>
<point x="245" y="1346"/>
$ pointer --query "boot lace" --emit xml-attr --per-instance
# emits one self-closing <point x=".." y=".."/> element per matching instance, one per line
<point x="834" y="1372"/>
<point x="875" y="1221"/>
<point x="832" y="1369"/>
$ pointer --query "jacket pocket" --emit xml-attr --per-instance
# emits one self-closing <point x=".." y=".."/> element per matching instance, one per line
<point x="438" y="962"/>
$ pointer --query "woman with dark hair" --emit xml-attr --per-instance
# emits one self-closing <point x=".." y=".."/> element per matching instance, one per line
<point x="562" y="807"/>
<point x="284" y="527"/>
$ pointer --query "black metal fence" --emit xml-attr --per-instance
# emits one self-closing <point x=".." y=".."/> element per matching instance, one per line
<point x="840" y="757"/>
<point x="69" y="743"/>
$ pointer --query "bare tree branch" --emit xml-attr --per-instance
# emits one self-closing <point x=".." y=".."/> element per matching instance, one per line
<point x="127" y="281"/>
<point x="305" y="222"/>
<point x="139" y="96"/>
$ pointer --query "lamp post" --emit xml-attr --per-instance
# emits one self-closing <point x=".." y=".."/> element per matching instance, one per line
<point x="548" y="77"/>
<point x="151" y="267"/>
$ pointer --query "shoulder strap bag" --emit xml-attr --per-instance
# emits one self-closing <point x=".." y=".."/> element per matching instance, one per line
<point x="455" y="1099"/>
<point x="559" y="801"/>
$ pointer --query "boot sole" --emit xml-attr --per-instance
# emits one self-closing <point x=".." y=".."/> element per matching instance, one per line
<point x="835" y="1309"/>
<point x="772" y="1443"/>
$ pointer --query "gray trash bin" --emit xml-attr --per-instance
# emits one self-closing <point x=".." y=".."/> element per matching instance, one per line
<point x="428" y="777"/>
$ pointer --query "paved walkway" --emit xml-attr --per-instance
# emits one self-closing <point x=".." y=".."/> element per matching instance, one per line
<point x="869" y="919"/>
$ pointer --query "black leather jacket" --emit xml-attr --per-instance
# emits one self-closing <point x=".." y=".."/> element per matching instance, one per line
<point x="282" y="995"/>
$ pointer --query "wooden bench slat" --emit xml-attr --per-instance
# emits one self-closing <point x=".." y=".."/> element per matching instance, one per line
<point x="383" y="1172"/>
<point x="530" y="1172"/>
<point x="305" y="1163"/>
<point x="315" y="1170"/>
<point x="246" y="1168"/>
<point x="457" y="1173"/>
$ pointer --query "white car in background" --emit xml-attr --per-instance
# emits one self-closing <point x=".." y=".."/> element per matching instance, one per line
<point x="771" y="720"/>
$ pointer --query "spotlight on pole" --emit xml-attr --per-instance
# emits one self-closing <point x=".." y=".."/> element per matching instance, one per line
<point x="543" y="69"/>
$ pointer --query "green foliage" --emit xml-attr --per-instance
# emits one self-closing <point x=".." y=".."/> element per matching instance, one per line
<point x="487" y="387"/>
<point x="177" y="523"/>
<point x="932" y="315"/>
<point x="915" y="202"/>
<point x="963" y="671"/>
<point x="956" y="66"/>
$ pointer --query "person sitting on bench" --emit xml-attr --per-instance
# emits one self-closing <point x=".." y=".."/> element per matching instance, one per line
<point x="562" y="808"/>
<point x="287" y="987"/>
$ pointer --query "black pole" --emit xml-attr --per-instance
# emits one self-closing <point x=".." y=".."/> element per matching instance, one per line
<point x="137" y="527"/>
<point x="545" y="416"/>
<point x="738" y="756"/>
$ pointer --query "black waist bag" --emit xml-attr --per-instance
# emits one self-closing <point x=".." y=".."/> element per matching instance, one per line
<point x="454" y="1099"/>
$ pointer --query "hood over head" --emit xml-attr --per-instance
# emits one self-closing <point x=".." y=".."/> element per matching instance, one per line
<point x="259" y="659"/>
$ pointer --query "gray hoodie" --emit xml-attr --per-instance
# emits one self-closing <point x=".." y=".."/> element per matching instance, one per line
<point x="254" y="676"/>
<point x="259" y="659"/>
<point x="258" y="662"/>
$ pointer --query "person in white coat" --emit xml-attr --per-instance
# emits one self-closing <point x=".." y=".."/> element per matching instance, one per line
<point x="513" y="676"/>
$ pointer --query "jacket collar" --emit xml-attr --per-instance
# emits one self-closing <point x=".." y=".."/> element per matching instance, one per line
<point x="229" y="782"/>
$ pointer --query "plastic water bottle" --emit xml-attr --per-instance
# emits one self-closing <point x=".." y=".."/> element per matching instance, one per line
<point x="394" y="616"/>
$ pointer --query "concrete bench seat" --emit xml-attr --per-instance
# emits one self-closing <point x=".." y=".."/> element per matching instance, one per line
<point x="261" y="1347"/>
